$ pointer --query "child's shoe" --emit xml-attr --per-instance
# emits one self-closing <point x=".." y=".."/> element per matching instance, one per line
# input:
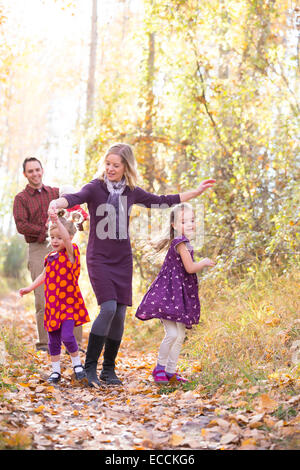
<point x="160" y="376"/>
<point x="80" y="374"/>
<point x="176" y="378"/>
<point x="54" y="378"/>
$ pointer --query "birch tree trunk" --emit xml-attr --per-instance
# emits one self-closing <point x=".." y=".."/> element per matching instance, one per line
<point x="92" y="64"/>
<point x="150" y="112"/>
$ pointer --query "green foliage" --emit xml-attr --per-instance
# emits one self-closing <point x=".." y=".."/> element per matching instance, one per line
<point x="215" y="95"/>
<point x="14" y="257"/>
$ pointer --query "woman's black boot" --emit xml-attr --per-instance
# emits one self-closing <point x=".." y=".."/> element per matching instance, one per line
<point x="93" y="352"/>
<point x="108" y="367"/>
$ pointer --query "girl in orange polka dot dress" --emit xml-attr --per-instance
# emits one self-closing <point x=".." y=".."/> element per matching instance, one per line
<point x="65" y="306"/>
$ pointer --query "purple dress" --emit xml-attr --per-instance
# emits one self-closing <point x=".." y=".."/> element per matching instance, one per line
<point x="109" y="261"/>
<point x="173" y="295"/>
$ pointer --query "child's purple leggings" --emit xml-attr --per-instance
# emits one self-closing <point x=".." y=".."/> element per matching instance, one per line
<point x="64" y="335"/>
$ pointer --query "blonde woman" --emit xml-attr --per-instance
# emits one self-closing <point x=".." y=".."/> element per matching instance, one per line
<point x="109" y="257"/>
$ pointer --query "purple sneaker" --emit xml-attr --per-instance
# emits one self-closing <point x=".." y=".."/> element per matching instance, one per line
<point x="160" y="376"/>
<point x="176" y="378"/>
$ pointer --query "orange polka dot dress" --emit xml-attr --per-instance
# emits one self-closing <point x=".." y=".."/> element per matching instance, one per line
<point x="63" y="299"/>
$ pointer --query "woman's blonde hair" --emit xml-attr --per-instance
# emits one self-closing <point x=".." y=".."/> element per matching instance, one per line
<point x="70" y="223"/>
<point x="126" y="154"/>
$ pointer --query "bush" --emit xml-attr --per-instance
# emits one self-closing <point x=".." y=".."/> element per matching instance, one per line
<point x="14" y="258"/>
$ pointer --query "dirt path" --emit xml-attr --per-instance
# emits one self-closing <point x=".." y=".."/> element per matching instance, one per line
<point x="137" y="415"/>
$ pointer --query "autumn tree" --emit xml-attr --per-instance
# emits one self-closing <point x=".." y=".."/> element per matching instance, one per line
<point x="231" y="119"/>
<point x="217" y="97"/>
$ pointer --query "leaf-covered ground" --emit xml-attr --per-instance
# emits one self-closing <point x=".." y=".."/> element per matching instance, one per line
<point x="136" y="416"/>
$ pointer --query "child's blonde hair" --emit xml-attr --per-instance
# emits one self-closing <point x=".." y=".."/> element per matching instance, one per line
<point x="70" y="223"/>
<point x="165" y="240"/>
<point x="154" y="249"/>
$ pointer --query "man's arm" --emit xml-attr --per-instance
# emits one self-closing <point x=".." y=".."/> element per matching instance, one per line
<point x="21" y="219"/>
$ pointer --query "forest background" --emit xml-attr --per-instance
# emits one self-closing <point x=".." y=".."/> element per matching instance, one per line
<point x="200" y="89"/>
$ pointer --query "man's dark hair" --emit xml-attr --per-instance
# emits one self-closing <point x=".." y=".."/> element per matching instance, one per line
<point x="30" y="159"/>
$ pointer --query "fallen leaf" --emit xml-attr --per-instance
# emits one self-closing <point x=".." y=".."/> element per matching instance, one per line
<point x="241" y="418"/>
<point x="295" y="420"/>
<point x="228" y="438"/>
<point x="176" y="440"/>
<point x="270" y="422"/>
<point x="220" y="422"/>
<point x="255" y="421"/>
<point x="267" y="403"/>
<point x="294" y="400"/>
<point x="39" y="409"/>
<point x="147" y="443"/>
<point x="19" y="440"/>
<point x="248" y="444"/>
<point x="240" y="404"/>
<point x="218" y="411"/>
<point x="24" y="384"/>
<point x="272" y="321"/>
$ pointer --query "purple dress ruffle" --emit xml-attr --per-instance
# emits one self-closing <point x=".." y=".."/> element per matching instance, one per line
<point x="173" y="295"/>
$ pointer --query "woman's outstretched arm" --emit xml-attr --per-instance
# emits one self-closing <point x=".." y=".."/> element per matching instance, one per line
<point x="186" y="196"/>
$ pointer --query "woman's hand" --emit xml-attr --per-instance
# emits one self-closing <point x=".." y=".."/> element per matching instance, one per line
<point x="60" y="203"/>
<point x="205" y="185"/>
<point x="184" y="197"/>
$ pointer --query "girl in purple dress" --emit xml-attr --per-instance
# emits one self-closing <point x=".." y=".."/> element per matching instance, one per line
<point x="109" y="257"/>
<point x="173" y="296"/>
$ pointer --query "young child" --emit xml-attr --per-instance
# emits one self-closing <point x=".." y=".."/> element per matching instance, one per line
<point x="68" y="189"/>
<point x="65" y="306"/>
<point x="173" y="296"/>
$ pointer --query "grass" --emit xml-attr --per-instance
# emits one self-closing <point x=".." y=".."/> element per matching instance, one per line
<point x="245" y="337"/>
<point x="12" y="348"/>
<point x="11" y="338"/>
<point x="13" y="354"/>
<point x="248" y="328"/>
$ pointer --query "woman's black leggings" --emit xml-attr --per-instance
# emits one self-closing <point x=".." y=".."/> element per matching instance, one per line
<point x="110" y="321"/>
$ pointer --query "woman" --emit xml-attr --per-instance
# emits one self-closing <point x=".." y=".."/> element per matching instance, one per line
<point x="109" y="256"/>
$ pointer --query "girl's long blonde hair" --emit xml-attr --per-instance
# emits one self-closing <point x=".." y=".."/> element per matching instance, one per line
<point x="156" y="247"/>
<point x="125" y="152"/>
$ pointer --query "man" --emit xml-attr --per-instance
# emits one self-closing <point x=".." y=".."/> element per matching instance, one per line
<point x="31" y="214"/>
